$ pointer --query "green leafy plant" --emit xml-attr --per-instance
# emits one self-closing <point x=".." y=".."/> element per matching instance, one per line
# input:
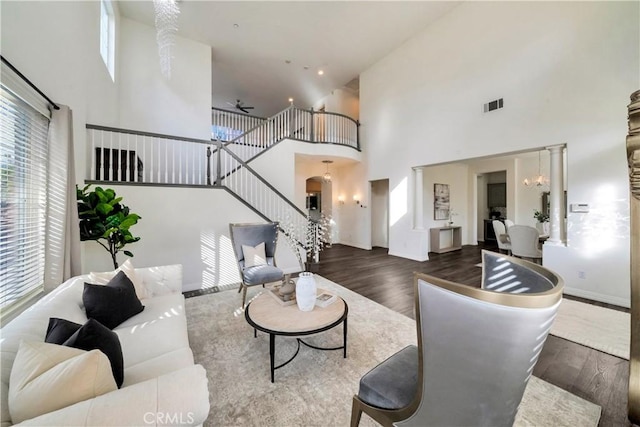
<point x="541" y="217"/>
<point x="103" y="217"/>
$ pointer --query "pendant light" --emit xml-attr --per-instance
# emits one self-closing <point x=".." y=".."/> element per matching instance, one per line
<point x="327" y="175"/>
<point x="539" y="181"/>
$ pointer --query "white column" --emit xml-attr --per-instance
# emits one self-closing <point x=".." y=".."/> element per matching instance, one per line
<point x="556" y="188"/>
<point x="418" y="199"/>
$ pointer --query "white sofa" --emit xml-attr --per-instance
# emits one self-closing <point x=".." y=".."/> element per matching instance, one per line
<point x="162" y="385"/>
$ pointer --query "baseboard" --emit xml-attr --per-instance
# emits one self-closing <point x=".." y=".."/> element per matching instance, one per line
<point x="408" y="256"/>
<point x="353" y="245"/>
<point x="621" y="302"/>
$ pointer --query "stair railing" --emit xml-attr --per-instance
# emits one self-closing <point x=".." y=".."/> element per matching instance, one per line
<point x="298" y="124"/>
<point x="142" y="158"/>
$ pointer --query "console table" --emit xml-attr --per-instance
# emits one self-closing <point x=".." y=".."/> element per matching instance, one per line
<point x="454" y="231"/>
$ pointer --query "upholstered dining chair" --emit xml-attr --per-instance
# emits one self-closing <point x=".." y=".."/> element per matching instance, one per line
<point x="476" y="349"/>
<point x="524" y="242"/>
<point x="501" y="236"/>
<point x="508" y="223"/>
<point x="254" y="246"/>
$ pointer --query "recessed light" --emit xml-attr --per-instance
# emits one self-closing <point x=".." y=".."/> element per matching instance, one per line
<point x="236" y="26"/>
<point x="320" y="72"/>
<point x="290" y="99"/>
<point x="287" y="61"/>
<point x="306" y="67"/>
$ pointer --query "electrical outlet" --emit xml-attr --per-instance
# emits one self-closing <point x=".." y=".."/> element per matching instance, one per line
<point x="582" y="275"/>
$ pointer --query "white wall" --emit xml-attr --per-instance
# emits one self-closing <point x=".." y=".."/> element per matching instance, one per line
<point x="343" y="101"/>
<point x="565" y="71"/>
<point x="188" y="226"/>
<point x="56" y="45"/>
<point x="149" y="101"/>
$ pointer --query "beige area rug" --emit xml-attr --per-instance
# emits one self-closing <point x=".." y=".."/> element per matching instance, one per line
<point x="316" y="388"/>
<point x="597" y="327"/>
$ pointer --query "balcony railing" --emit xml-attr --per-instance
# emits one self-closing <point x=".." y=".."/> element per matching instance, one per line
<point x="291" y="123"/>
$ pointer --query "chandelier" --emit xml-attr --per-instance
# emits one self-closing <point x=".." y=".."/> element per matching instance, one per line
<point x="327" y="175"/>
<point x="166" y="12"/>
<point x="539" y="181"/>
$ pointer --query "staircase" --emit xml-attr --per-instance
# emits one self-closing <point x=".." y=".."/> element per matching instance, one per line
<point x="143" y="158"/>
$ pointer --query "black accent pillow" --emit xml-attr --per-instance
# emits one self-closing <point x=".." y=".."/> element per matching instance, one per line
<point x="59" y="330"/>
<point x="90" y="336"/>
<point x="113" y="303"/>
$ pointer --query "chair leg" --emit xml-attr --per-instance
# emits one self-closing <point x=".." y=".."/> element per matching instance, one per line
<point x="244" y="295"/>
<point x="356" y="413"/>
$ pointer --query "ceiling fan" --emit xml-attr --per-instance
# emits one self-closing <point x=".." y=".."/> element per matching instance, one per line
<point x="239" y="105"/>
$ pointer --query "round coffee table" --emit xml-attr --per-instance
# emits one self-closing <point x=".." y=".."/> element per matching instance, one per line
<point x="265" y="314"/>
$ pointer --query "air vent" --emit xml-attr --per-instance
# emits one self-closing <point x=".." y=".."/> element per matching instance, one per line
<point x="493" y="105"/>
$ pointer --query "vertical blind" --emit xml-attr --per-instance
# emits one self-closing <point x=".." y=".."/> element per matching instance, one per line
<point x="23" y="188"/>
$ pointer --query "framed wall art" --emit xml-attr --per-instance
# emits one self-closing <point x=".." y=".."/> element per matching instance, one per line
<point x="441" y="204"/>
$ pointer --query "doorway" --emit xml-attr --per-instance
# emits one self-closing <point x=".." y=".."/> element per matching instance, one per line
<point x="380" y="213"/>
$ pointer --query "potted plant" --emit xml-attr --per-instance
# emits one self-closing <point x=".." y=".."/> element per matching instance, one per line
<point x="543" y="222"/>
<point x="107" y="221"/>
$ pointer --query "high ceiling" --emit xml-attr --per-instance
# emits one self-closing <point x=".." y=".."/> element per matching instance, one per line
<point x="252" y="41"/>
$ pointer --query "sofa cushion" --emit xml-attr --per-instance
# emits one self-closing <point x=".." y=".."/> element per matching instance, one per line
<point x="46" y="377"/>
<point x="157" y="366"/>
<point x="128" y="269"/>
<point x="161" y="333"/>
<point x="90" y="336"/>
<point x="113" y="303"/>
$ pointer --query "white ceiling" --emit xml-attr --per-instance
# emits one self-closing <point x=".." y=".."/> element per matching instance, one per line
<point x="343" y="38"/>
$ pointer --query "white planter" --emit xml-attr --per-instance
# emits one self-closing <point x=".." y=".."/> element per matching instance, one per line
<point x="306" y="291"/>
<point x="543" y="228"/>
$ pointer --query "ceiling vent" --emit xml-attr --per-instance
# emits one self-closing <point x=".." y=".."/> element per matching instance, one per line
<point x="493" y="105"/>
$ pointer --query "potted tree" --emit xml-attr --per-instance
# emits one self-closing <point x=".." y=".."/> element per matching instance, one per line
<point x="107" y="221"/>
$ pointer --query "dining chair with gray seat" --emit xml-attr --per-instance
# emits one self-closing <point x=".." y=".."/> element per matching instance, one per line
<point x="525" y="242"/>
<point x="501" y="236"/>
<point x="254" y="246"/>
<point x="467" y="339"/>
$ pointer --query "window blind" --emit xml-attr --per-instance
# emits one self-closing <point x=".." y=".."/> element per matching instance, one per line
<point x="23" y="188"/>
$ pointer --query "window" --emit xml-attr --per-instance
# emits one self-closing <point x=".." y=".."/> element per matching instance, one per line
<point x="107" y="36"/>
<point x="23" y="188"/>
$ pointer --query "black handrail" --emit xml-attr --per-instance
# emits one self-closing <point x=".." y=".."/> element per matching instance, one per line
<point x="239" y="114"/>
<point x="27" y="81"/>
<point x="150" y="134"/>
<point x="257" y="175"/>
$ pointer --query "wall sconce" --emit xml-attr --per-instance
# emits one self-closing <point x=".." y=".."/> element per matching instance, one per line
<point x="356" y="199"/>
<point x="341" y="200"/>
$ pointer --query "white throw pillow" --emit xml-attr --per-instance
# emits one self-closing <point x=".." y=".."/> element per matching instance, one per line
<point x="254" y="255"/>
<point x="129" y="270"/>
<point x="47" y="377"/>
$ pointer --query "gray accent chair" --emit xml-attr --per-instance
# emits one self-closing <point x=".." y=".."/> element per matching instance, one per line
<point x="504" y="244"/>
<point x="476" y="349"/>
<point x="253" y="235"/>
<point x="524" y="242"/>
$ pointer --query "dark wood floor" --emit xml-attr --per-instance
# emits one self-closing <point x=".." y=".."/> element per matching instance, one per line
<point x="595" y="376"/>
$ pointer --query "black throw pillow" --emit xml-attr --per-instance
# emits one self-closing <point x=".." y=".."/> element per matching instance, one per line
<point x="59" y="330"/>
<point x="113" y="303"/>
<point x="90" y="336"/>
<point x="93" y="335"/>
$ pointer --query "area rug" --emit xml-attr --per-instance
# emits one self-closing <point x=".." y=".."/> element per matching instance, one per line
<point x="316" y="388"/>
<point x="597" y="327"/>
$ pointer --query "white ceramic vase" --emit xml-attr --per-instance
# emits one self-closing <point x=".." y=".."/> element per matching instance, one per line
<point x="306" y="291"/>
